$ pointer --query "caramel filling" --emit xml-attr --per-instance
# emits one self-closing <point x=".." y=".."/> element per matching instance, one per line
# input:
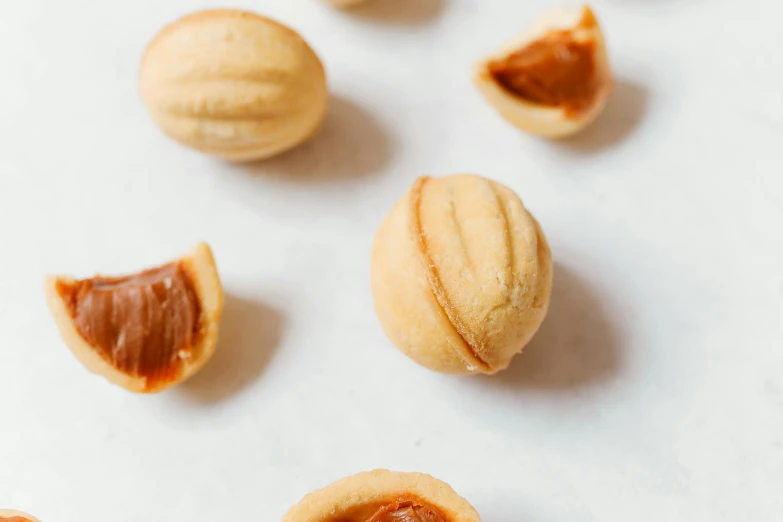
<point x="408" y="511"/>
<point x="556" y="71"/>
<point x="144" y="325"/>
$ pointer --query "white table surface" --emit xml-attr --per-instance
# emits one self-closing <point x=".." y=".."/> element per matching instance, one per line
<point x="654" y="391"/>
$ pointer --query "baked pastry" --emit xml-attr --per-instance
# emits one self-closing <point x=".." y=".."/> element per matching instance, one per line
<point x="384" y="496"/>
<point x="461" y="274"/>
<point x="146" y="331"/>
<point x="555" y="79"/>
<point x="9" y="515"/>
<point x="234" y="84"/>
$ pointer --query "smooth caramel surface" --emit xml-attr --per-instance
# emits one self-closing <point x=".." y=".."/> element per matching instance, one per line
<point x="143" y="324"/>
<point x="555" y="71"/>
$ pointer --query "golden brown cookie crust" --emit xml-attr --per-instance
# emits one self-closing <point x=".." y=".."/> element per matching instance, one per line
<point x="360" y="498"/>
<point x="234" y="84"/>
<point x="201" y="268"/>
<point x="10" y="515"/>
<point x="461" y="274"/>
<point x="559" y="121"/>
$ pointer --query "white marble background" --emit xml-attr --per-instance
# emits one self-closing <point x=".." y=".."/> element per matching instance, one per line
<point x="654" y="391"/>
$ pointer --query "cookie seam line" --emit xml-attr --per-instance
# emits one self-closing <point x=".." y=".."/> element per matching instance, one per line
<point x="436" y="287"/>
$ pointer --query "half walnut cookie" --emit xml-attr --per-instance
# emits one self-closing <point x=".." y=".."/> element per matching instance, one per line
<point x="384" y="496"/>
<point x="555" y="79"/>
<point x="9" y="515"/>
<point x="146" y="331"/>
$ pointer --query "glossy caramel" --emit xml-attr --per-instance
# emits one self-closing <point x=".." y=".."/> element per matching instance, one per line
<point x="144" y="324"/>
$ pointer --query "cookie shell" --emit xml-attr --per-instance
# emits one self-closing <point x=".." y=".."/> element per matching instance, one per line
<point x="200" y="265"/>
<point x="10" y="514"/>
<point x="233" y="84"/>
<point x="541" y="120"/>
<point x="461" y="274"/>
<point x="357" y="498"/>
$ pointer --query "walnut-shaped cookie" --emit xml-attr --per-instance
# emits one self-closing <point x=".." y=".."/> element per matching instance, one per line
<point x="147" y="331"/>
<point x="384" y="496"/>
<point x="233" y="84"/>
<point x="461" y="274"/>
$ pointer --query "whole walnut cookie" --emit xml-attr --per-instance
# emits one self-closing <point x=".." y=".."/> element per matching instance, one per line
<point x="461" y="274"/>
<point x="233" y="84"/>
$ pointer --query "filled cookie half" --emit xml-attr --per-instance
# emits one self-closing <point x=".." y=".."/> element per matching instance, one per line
<point x="145" y="331"/>
<point x="384" y="496"/>
<point x="554" y="79"/>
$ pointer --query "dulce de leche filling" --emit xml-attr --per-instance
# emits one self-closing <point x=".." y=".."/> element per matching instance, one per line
<point x="144" y="324"/>
<point x="408" y="511"/>
<point x="555" y="70"/>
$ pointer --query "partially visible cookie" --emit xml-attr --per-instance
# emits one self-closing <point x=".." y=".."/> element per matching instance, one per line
<point x="9" y="515"/>
<point x="384" y="496"/>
